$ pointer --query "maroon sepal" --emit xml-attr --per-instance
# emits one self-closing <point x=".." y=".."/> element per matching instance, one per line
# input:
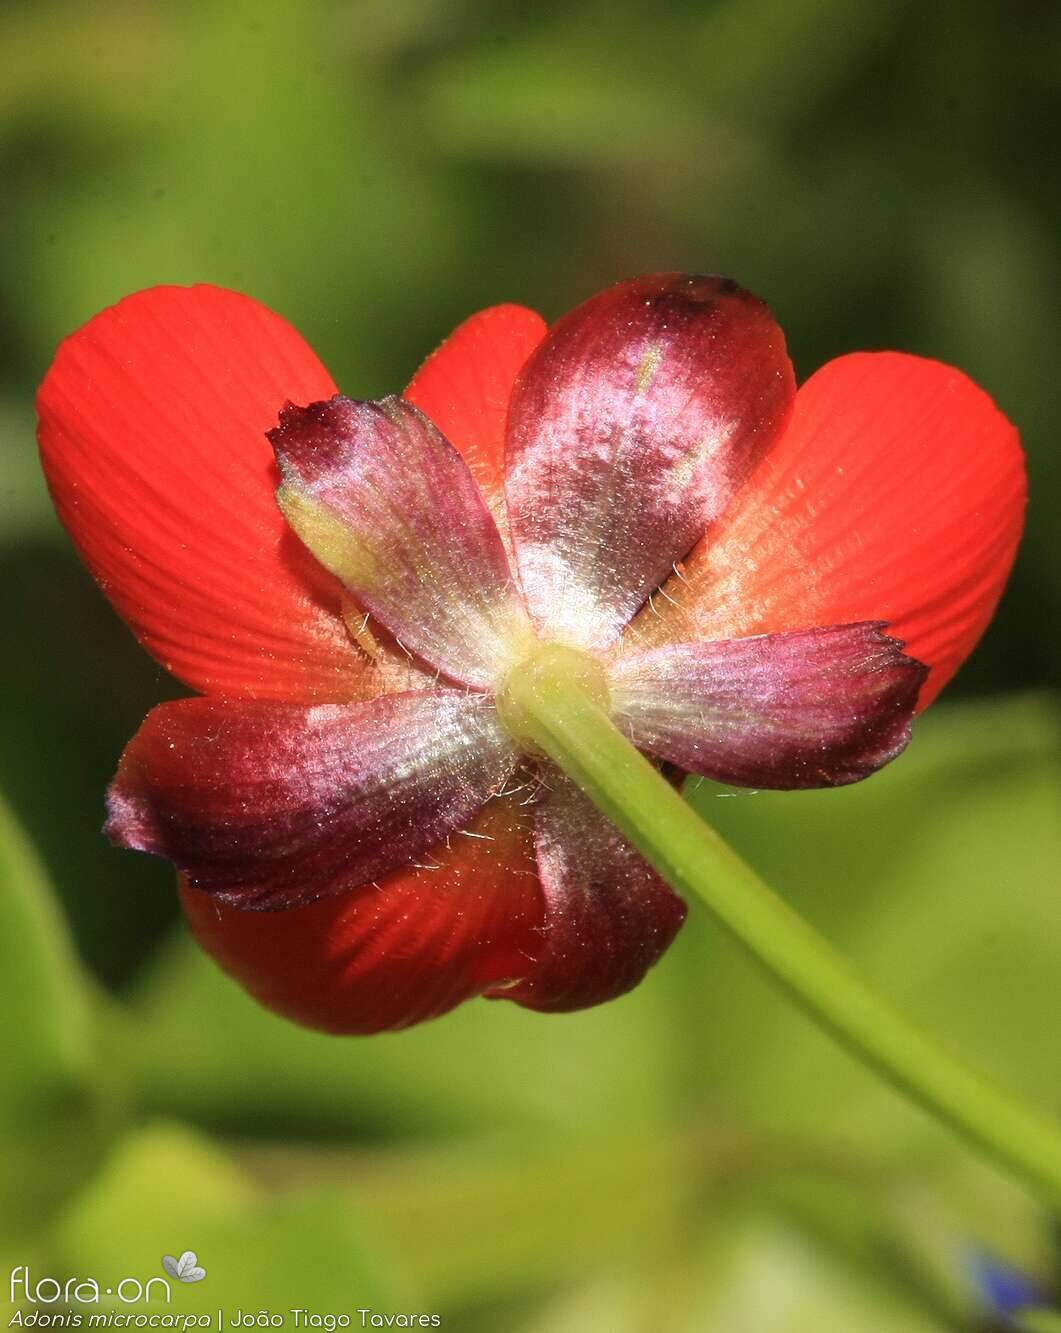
<point x="630" y="428"/>
<point x="810" y="708"/>
<point x="389" y="506"/>
<point x="608" y="915"/>
<point x="270" y="806"/>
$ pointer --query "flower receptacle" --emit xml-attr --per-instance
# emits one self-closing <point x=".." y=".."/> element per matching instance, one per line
<point x="550" y="669"/>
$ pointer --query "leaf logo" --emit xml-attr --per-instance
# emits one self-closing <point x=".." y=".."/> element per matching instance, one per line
<point x="184" y="1269"/>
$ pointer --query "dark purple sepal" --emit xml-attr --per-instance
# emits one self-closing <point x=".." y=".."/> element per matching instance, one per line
<point x="608" y="915"/>
<point x="811" y="708"/>
<point x="388" y="505"/>
<point x="630" y="428"/>
<point x="270" y="806"/>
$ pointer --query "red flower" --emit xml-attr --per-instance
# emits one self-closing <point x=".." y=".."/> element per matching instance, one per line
<point x="718" y="554"/>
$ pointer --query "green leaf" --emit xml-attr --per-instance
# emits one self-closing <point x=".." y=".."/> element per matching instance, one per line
<point x="45" y="1016"/>
<point x="57" y="1106"/>
<point x="166" y="1190"/>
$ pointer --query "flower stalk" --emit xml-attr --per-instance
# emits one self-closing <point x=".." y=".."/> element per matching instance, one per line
<point x="566" y="720"/>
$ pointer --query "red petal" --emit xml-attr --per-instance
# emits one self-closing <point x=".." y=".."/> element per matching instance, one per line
<point x="608" y="915"/>
<point x="465" y="387"/>
<point x="630" y="428"/>
<point x="273" y="805"/>
<point x="389" y="956"/>
<point x="389" y="506"/>
<point x="896" y="494"/>
<point x="811" y="708"/>
<point x="152" y="433"/>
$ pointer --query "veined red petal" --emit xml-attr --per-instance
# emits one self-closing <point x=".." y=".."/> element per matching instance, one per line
<point x="630" y="428"/>
<point x="271" y="806"/>
<point x="394" y="953"/>
<point x="389" y="506"/>
<point x="608" y="915"/>
<point x="896" y="494"/>
<point x="811" y="708"/>
<point x="465" y="387"/>
<point x="152" y="434"/>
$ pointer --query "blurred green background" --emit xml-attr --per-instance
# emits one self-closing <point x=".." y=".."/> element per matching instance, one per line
<point x="694" y="1156"/>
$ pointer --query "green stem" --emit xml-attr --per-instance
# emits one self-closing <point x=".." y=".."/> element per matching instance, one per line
<point x="560" y="710"/>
